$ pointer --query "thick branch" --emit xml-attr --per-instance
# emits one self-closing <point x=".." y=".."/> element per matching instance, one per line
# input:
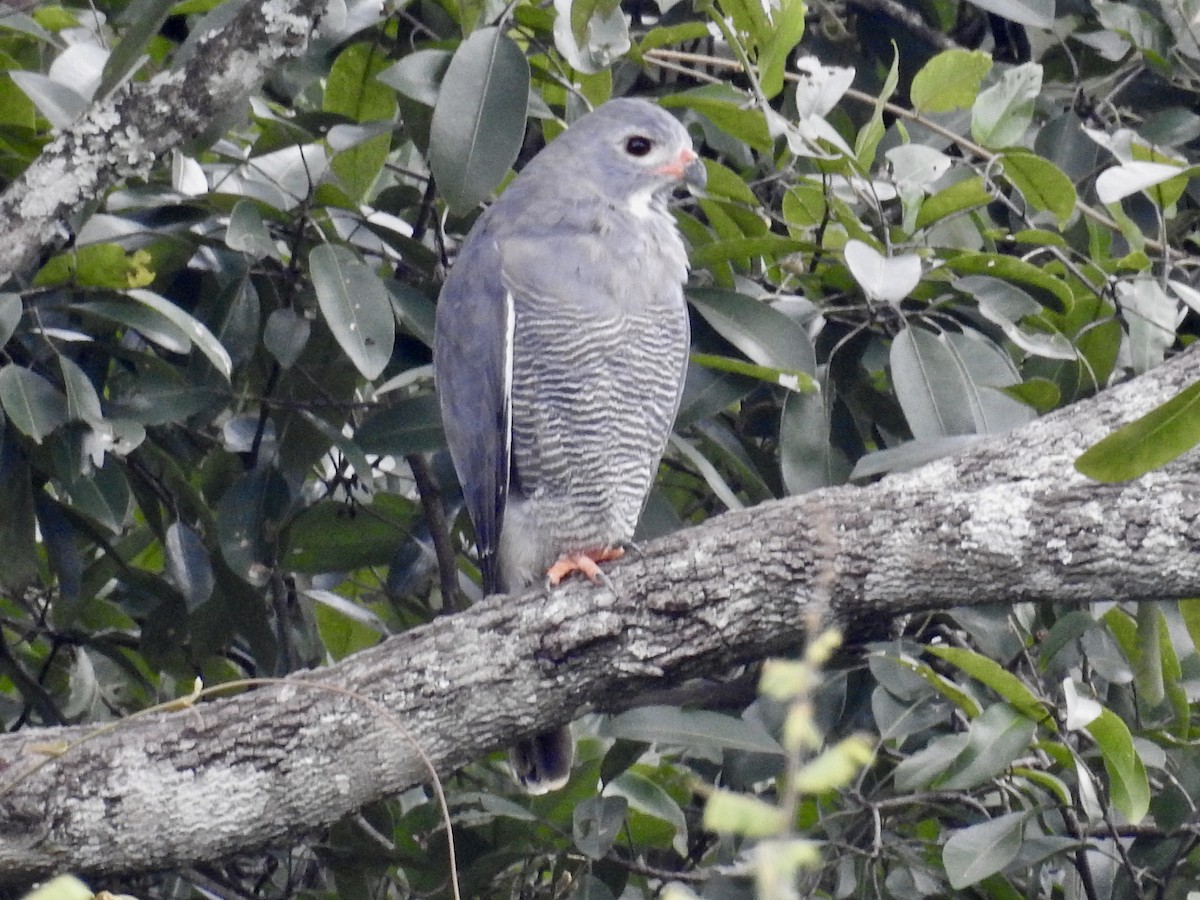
<point x="1009" y="520"/>
<point x="124" y="135"/>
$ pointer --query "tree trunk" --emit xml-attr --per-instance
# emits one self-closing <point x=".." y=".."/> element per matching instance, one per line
<point x="1009" y="520"/>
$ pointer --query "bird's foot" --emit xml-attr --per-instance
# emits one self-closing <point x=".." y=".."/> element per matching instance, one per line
<point x="586" y="563"/>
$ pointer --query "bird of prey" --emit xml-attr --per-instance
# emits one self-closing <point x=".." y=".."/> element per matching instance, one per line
<point x="559" y="356"/>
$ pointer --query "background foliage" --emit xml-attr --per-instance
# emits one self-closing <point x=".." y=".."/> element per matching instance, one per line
<point x="924" y="222"/>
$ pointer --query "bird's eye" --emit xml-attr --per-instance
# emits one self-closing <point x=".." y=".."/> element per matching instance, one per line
<point x="639" y="145"/>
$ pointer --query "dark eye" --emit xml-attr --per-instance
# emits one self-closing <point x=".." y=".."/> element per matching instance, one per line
<point x="638" y="145"/>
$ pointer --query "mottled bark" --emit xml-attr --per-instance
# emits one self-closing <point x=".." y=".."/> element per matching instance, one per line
<point x="1007" y="521"/>
<point x="123" y="135"/>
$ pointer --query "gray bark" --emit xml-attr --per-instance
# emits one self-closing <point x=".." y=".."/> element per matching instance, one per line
<point x="121" y="136"/>
<point x="1010" y="520"/>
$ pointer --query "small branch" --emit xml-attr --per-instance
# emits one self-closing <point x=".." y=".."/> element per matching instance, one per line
<point x="439" y="530"/>
<point x="911" y="20"/>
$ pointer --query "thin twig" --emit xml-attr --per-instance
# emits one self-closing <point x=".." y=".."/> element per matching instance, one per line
<point x="439" y="529"/>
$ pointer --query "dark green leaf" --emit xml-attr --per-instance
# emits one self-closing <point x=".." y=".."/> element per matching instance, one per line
<point x="479" y="119"/>
<point x="765" y="335"/>
<point x="187" y="562"/>
<point x="413" y="425"/>
<point x="32" y="403"/>
<point x="331" y="536"/>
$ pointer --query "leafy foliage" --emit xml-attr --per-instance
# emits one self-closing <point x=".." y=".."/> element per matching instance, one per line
<point x="219" y="427"/>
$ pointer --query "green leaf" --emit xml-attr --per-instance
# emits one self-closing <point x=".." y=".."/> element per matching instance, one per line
<point x="479" y="120"/>
<point x="11" y="309"/>
<point x="247" y="233"/>
<point x="286" y="335"/>
<point x="649" y="798"/>
<point x="414" y="425"/>
<point x="1127" y="784"/>
<point x="996" y="738"/>
<point x="970" y="193"/>
<point x="808" y="458"/>
<point x="787" y="23"/>
<point x="33" y="404"/>
<point x="331" y="536"/>
<point x="419" y="74"/>
<point x="1042" y="184"/>
<point x="151" y="325"/>
<point x="352" y="90"/>
<point x="946" y="384"/>
<point x="690" y="728"/>
<point x="866" y="142"/>
<point x="62" y="887"/>
<point x="999" y="679"/>
<point x="188" y="564"/>
<point x="344" y="626"/>
<point x="356" y="306"/>
<point x="199" y="335"/>
<point x="1012" y="268"/>
<point x="248" y="520"/>
<point x="949" y="81"/>
<point x="1004" y="111"/>
<point x="726" y="108"/>
<point x="1146" y="443"/>
<point x="590" y="34"/>
<point x="92" y="265"/>
<point x="141" y="21"/>
<point x="972" y="854"/>
<point x="767" y="336"/>
<point x="793" y="380"/>
<point x="103" y="495"/>
<point x="749" y="18"/>
<point x="1190" y="610"/>
<point x="596" y="823"/>
<point x="83" y="404"/>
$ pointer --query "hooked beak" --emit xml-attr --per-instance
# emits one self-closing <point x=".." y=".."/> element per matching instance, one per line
<point x="688" y="168"/>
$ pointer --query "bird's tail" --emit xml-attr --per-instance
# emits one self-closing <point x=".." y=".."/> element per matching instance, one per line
<point x="542" y="763"/>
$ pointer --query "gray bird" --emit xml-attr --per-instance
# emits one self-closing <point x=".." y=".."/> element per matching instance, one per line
<point x="560" y="350"/>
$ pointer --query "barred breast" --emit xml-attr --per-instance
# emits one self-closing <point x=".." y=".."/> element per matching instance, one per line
<point x="594" y="394"/>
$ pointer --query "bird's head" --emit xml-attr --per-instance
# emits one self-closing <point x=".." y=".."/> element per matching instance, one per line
<point x="630" y="149"/>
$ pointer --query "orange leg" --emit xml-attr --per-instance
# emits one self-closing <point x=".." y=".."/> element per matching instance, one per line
<point x="584" y="562"/>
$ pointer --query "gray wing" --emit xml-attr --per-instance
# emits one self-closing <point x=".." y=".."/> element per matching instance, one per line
<point x="473" y="370"/>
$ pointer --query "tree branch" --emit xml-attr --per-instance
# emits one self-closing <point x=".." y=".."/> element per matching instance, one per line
<point x="122" y="136"/>
<point x="1010" y="520"/>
